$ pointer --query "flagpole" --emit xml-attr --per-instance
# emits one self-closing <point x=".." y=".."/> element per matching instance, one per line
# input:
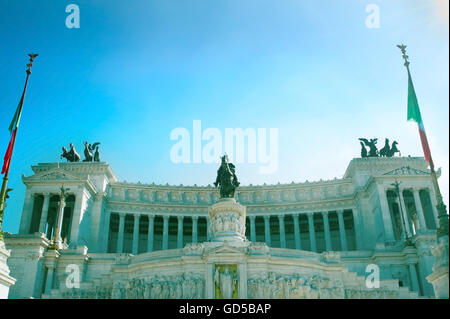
<point x="441" y="208"/>
<point x="4" y="190"/>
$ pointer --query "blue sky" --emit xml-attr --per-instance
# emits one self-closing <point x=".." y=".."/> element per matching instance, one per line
<point x="136" y="70"/>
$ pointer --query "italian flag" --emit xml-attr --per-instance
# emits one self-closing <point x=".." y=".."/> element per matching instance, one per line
<point x="414" y="115"/>
<point x="13" y="130"/>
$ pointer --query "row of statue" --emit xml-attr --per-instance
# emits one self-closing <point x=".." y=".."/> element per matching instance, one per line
<point x="72" y="156"/>
<point x="276" y="286"/>
<point x="190" y="286"/>
<point x="386" y="151"/>
<point x="296" y="286"/>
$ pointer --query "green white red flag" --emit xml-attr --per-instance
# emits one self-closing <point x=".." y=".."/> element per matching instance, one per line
<point x="414" y="115"/>
<point x="13" y="130"/>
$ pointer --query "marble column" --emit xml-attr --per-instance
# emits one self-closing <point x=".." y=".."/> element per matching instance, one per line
<point x="267" y="230"/>
<point x="136" y="234"/>
<point x="209" y="281"/>
<point x="49" y="280"/>
<point x="326" y="228"/>
<point x="106" y="230"/>
<point x="242" y="285"/>
<point x="27" y="212"/>
<point x="180" y="232"/>
<point x="121" y="232"/>
<point x="358" y="233"/>
<point x="59" y="221"/>
<point x="298" y="244"/>
<point x="151" y="222"/>
<point x="44" y="213"/>
<point x="405" y="214"/>
<point x="282" y="231"/>
<point x="419" y="210"/>
<point x="252" y="228"/>
<point x="208" y="231"/>
<point x="194" y="229"/>
<point x="386" y="214"/>
<point x="77" y="215"/>
<point x="342" y="232"/>
<point x="96" y="220"/>
<point x="433" y="199"/>
<point x="312" y="232"/>
<point x="165" y="243"/>
<point x="414" y="279"/>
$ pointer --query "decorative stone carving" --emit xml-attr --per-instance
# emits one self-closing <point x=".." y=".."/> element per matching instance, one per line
<point x="123" y="259"/>
<point x="193" y="249"/>
<point x="294" y="286"/>
<point x="227" y="220"/>
<point x="331" y="257"/>
<point x="258" y="248"/>
<point x="406" y="170"/>
<point x="182" y="286"/>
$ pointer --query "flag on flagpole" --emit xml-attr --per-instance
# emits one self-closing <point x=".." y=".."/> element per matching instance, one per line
<point x="13" y="130"/>
<point x="414" y="115"/>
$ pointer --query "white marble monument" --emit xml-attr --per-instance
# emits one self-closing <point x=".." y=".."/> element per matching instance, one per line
<point x="339" y="238"/>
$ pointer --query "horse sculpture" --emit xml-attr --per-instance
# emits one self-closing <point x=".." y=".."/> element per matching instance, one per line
<point x="226" y="179"/>
<point x="72" y="155"/>
<point x="393" y="150"/>
<point x="386" y="151"/>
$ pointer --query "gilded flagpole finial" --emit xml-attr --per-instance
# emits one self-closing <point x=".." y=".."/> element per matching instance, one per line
<point x="402" y="48"/>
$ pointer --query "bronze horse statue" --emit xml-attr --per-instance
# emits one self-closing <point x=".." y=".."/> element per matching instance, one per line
<point x="387" y="151"/>
<point x="226" y="179"/>
<point x="72" y="155"/>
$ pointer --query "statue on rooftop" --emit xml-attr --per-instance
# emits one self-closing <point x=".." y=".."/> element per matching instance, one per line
<point x="72" y="155"/>
<point x="386" y="151"/>
<point x="88" y="148"/>
<point x="226" y="179"/>
<point x="373" y="151"/>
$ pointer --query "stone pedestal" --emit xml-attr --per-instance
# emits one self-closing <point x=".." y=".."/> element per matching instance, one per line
<point x="439" y="277"/>
<point x="6" y="280"/>
<point x="227" y="220"/>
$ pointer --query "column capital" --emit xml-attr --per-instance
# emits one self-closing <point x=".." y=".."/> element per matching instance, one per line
<point x="295" y="215"/>
<point x="195" y="217"/>
<point x="165" y="217"/>
<point x="136" y="216"/>
<point x="122" y="215"/>
<point x="151" y="216"/>
<point x="46" y="194"/>
<point x="280" y="216"/>
<point x="180" y="217"/>
<point x="340" y="212"/>
<point x="100" y="195"/>
<point x="325" y="213"/>
<point x="266" y="217"/>
<point x="252" y="217"/>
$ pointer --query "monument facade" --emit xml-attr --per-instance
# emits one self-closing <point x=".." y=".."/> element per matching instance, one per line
<point x="300" y="240"/>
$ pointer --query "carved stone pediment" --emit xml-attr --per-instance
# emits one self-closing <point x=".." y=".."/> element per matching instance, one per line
<point x="56" y="174"/>
<point x="406" y="170"/>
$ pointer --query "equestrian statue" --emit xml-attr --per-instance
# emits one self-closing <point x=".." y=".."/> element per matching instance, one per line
<point x="226" y="178"/>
